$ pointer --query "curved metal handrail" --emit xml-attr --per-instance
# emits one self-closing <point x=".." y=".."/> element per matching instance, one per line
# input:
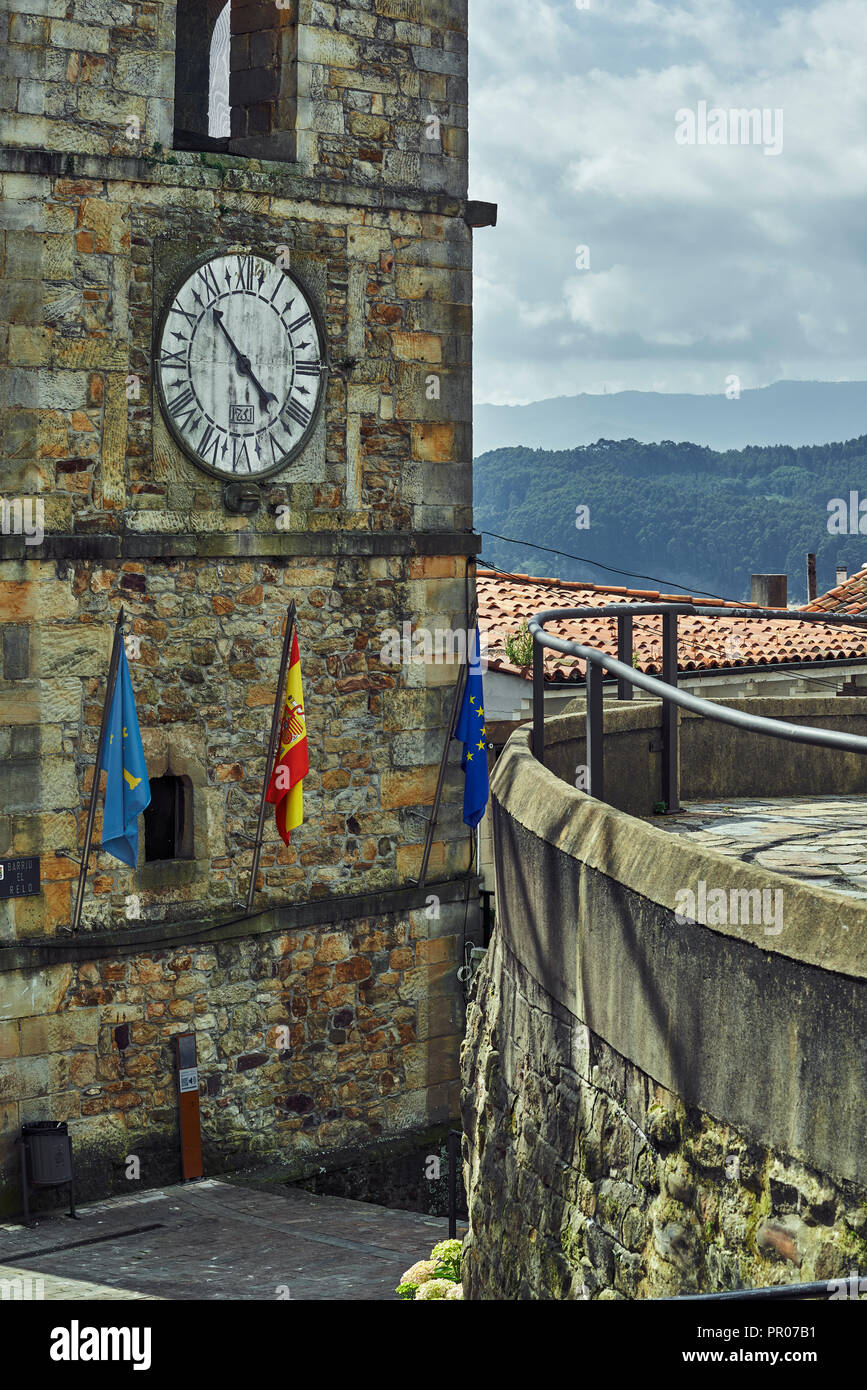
<point x="700" y="610"/>
<point x="666" y="689"/>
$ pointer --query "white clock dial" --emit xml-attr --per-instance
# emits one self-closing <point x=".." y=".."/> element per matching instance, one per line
<point x="240" y="366"/>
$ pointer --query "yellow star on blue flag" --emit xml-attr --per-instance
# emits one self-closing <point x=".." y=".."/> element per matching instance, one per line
<point x="127" y="789"/>
<point x="470" y="729"/>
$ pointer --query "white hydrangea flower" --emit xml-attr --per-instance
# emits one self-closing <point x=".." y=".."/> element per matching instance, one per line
<point x="435" y="1288"/>
<point x="419" y="1273"/>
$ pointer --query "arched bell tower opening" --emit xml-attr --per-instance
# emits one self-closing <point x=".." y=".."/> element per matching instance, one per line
<point x="196" y="23"/>
<point x="236" y="77"/>
<point x="219" y="110"/>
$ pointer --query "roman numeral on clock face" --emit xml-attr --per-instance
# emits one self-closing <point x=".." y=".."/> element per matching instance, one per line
<point x="245" y="272"/>
<point x="299" y="413"/>
<point x="240" y="456"/>
<point x="190" y="318"/>
<point x="308" y="368"/>
<point x="209" y="443"/>
<point x="208" y="279"/>
<point x="183" y="408"/>
<point x="299" y="322"/>
<point x="275" y="452"/>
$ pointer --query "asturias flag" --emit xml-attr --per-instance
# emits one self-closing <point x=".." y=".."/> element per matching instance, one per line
<point x="470" y="729"/>
<point x="291" y="764"/>
<point x="127" y="789"/>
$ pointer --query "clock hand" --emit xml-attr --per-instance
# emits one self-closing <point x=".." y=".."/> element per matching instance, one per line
<point x="242" y="362"/>
<point x="219" y="318"/>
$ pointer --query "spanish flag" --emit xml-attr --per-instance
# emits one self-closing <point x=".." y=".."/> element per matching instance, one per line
<point x="291" y="764"/>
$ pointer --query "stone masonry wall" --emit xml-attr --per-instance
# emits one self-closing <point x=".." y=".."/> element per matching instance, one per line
<point x="75" y="75"/>
<point x="87" y="264"/>
<point x="205" y="684"/>
<point x="311" y="1041"/>
<point x="367" y="530"/>
<point x="98" y="77"/>
<point x="89" y="249"/>
<point x="586" y="1179"/>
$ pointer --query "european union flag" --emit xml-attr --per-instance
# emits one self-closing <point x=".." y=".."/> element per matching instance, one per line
<point x="127" y="789"/>
<point x="470" y="729"/>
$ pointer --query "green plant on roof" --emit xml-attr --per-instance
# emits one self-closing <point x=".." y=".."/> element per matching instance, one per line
<point x="519" y="646"/>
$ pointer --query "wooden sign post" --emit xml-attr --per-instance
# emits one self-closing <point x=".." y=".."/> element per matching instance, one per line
<point x="188" y="1096"/>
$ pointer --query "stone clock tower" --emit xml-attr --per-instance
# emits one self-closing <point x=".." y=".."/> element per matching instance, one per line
<point x="236" y="373"/>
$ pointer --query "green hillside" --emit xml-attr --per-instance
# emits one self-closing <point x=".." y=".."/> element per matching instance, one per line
<point x="693" y="517"/>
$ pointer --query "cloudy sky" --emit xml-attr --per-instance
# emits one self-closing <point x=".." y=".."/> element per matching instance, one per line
<point x="704" y="260"/>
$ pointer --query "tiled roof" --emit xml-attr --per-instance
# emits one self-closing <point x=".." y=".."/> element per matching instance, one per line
<point x="506" y="601"/>
<point x="848" y="597"/>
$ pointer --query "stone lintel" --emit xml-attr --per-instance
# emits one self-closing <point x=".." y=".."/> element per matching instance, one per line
<point x="240" y="545"/>
<point x="227" y="173"/>
<point x="330" y="912"/>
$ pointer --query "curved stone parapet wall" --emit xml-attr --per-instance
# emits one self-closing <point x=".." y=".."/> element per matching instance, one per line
<point x="715" y="759"/>
<point x="654" y="1107"/>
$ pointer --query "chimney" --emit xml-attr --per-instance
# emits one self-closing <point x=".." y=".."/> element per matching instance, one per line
<point x="768" y="590"/>
<point x="811" y="578"/>
<point x="842" y="575"/>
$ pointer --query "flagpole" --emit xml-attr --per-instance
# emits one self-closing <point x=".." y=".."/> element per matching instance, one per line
<point x="94" y="791"/>
<point x="276" y="720"/>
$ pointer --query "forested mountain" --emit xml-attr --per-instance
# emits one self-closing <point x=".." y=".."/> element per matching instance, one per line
<point x="786" y="412"/>
<point x="690" y="516"/>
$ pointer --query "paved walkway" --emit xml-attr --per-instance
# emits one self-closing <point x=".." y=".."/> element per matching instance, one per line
<point x="27" y="1286"/>
<point x="217" y="1239"/>
<point x="821" y="840"/>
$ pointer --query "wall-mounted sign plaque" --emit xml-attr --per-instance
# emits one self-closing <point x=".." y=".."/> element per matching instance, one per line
<point x="19" y="878"/>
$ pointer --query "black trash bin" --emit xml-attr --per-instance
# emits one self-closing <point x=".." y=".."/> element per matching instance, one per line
<point x="46" y="1160"/>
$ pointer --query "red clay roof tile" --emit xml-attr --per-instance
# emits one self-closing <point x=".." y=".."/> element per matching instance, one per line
<point x="704" y="644"/>
<point x="850" y="597"/>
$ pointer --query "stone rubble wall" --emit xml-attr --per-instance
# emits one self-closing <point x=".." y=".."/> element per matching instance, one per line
<point x="205" y="683"/>
<point x="654" y="1105"/>
<point x="74" y="74"/>
<point x="307" y="1042"/>
<point x="589" y="1180"/>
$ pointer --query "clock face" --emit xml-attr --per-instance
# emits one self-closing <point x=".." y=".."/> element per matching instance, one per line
<point x="240" y="366"/>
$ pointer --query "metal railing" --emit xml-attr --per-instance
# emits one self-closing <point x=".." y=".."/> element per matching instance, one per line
<point x="453" y="1146"/>
<point x="665" y="689"/>
<point x="845" y="1287"/>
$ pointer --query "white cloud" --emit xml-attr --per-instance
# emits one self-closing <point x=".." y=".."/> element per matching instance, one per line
<point x="697" y="252"/>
